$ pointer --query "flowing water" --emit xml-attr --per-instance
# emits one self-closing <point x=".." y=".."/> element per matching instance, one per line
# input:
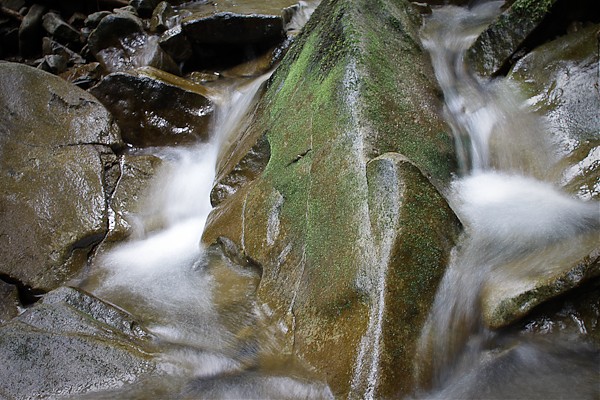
<point x="519" y="226"/>
<point x="211" y="338"/>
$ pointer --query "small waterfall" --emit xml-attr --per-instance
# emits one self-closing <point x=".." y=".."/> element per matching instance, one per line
<point x="517" y="224"/>
<point x="164" y="277"/>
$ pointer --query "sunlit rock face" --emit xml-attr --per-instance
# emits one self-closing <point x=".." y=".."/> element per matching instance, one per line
<point x="55" y="143"/>
<point x="336" y="230"/>
<point x="71" y="343"/>
<point x="155" y="108"/>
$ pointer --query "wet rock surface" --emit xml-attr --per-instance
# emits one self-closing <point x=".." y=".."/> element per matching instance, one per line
<point x="127" y="202"/>
<point x="560" y="79"/>
<point x="71" y="343"/>
<point x="525" y="25"/>
<point x="53" y="140"/>
<point x="155" y="108"/>
<point x="509" y="297"/>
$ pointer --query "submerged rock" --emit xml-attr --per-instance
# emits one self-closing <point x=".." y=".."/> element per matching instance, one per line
<point x="154" y="108"/>
<point x="53" y="138"/>
<point x="337" y="275"/>
<point x="71" y="343"/>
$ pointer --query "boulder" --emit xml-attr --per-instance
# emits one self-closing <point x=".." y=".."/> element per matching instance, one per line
<point x="71" y="343"/>
<point x="111" y="29"/>
<point x="346" y="219"/>
<point x="94" y="19"/>
<point x="176" y="44"/>
<point x="559" y="79"/>
<point x="54" y="140"/>
<point x="227" y="33"/>
<point x="154" y="108"/>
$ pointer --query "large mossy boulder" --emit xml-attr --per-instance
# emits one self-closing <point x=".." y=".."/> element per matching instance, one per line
<point x="71" y="343"/>
<point x="347" y="219"/>
<point x="55" y="142"/>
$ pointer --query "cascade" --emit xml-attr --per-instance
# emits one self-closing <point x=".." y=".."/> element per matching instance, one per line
<point x="518" y="225"/>
<point x="177" y="288"/>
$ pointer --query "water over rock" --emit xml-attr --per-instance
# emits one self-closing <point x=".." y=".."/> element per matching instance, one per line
<point x="55" y="139"/>
<point x="127" y="202"/>
<point x="560" y="80"/>
<point x="155" y="108"/>
<point x="71" y="343"/>
<point x="351" y="249"/>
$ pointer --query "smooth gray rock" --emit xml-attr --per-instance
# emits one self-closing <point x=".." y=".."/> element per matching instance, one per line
<point x="71" y="343"/>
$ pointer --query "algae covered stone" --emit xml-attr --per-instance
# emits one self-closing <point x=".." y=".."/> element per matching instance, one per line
<point x="355" y="84"/>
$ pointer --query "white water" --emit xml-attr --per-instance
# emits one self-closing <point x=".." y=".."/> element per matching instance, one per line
<point x="178" y="289"/>
<point x="514" y="216"/>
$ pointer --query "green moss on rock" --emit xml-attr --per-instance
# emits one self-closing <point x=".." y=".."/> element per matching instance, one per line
<point x="354" y="85"/>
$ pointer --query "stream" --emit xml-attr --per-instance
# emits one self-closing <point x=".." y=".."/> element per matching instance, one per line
<point x="210" y="333"/>
<point x="214" y="340"/>
<point x="519" y="225"/>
